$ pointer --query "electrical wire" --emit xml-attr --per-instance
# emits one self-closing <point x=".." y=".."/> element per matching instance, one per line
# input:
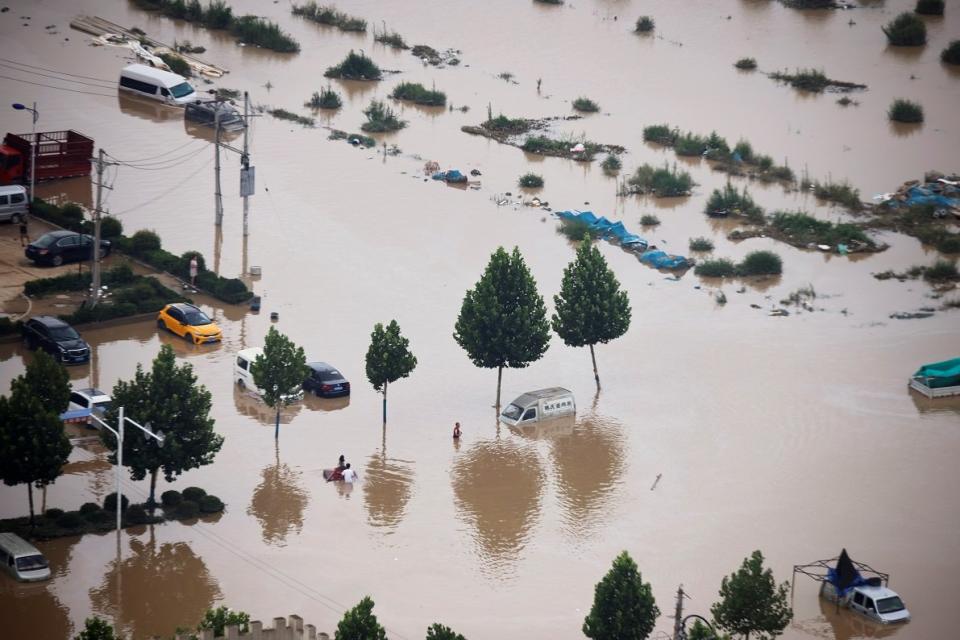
<point x="63" y="73"/>
<point x="50" y="86"/>
<point x="168" y="163"/>
<point x="192" y="175"/>
<point x="159" y="155"/>
<point x="46" y="75"/>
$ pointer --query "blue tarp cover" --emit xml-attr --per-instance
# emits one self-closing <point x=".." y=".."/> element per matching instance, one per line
<point x="606" y="227"/>
<point x="941" y="374"/>
<point x="453" y="175"/>
<point x="919" y="195"/>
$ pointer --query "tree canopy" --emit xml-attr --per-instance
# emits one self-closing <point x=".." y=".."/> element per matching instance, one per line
<point x="623" y="604"/>
<point x="360" y="623"/>
<point x="752" y="603"/>
<point x="95" y="629"/>
<point x="437" y="631"/>
<point x="279" y="371"/>
<point x="48" y="381"/>
<point x="388" y="358"/>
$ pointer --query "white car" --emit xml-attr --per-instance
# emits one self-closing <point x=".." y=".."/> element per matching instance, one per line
<point x="95" y="400"/>
<point x="243" y="376"/>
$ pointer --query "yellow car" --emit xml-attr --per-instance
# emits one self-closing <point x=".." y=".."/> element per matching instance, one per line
<point x="189" y="322"/>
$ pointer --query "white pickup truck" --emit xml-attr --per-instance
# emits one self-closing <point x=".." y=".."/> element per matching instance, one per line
<point x="878" y="603"/>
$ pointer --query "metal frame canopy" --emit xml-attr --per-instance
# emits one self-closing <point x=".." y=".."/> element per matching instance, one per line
<point x="819" y="570"/>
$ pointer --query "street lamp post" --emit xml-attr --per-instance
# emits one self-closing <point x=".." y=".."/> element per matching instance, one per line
<point x="118" y="432"/>
<point x="33" y="145"/>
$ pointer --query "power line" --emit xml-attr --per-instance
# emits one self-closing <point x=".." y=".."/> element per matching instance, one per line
<point x="168" y="163"/>
<point x="50" y="86"/>
<point x="47" y="75"/>
<point x="148" y="158"/>
<point x="193" y="175"/>
<point x="63" y="73"/>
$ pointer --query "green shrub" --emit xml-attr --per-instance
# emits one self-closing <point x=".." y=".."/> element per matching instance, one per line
<point x="53" y="513"/>
<point x="210" y="504"/>
<point x="136" y="514"/>
<point x="220" y="618"/>
<point x="171" y="498"/>
<point x="381" y="118"/>
<point x="72" y="212"/>
<point x="66" y="282"/>
<point x="218" y="15"/>
<point x="110" y="228"/>
<point x="906" y="30"/>
<point x="661" y="182"/>
<point x="391" y="38"/>
<point x="263" y="33"/>
<point x="194" y="494"/>
<point x="356" y="66"/>
<point x="329" y="16"/>
<point x="110" y="502"/>
<point x="649" y="220"/>
<point x="940" y="271"/>
<point x="929" y="7"/>
<point x="177" y="64"/>
<point x="644" y="24"/>
<point x="89" y="507"/>
<point x="905" y="111"/>
<point x="745" y="150"/>
<point x="802" y="229"/>
<point x="586" y="105"/>
<point x="690" y="144"/>
<point x="746" y="64"/>
<point x="951" y="55"/>
<point x="530" y="181"/>
<point x="701" y="244"/>
<point x="143" y="242"/>
<point x="839" y="192"/>
<point x="417" y="93"/>
<point x="611" y="165"/>
<point x="327" y="98"/>
<point x="715" y="268"/>
<point x="760" y="263"/>
<point x="507" y="125"/>
<point x="734" y="202"/>
<point x="577" y="230"/>
<point x="660" y="133"/>
<point x="70" y="520"/>
<point x="186" y="510"/>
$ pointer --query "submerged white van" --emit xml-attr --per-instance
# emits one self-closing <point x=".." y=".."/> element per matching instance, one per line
<point x="243" y="376"/>
<point x="21" y="559"/>
<point x="542" y="404"/>
<point x="13" y="203"/>
<point x="144" y="80"/>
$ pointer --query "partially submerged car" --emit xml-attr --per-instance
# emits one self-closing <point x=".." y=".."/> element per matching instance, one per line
<point x="326" y="381"/>
<point x="542" y="404"/>
<point x="57" y="338"/>
<point x="206" y="112"/>
<point x="188" y="321"/>
<point x="243" y="374"/>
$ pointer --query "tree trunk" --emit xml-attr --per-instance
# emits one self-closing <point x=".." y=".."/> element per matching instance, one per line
<point x="153" y="487"/>
<point x="385" y="383"/>
<point x="30" y="494"/>
<point x="596" y="376"/>
<point x="499" y="380"/>
<point x="276" y="426"/>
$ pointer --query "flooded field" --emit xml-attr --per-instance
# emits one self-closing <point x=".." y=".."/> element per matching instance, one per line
<point x="794" y="435"/>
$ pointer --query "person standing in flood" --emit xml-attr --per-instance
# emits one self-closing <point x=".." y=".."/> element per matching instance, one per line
<point x="194" y="268"/>
<point x="456" y="430"/>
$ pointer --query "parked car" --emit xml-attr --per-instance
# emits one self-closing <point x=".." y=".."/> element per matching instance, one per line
<point x="243" y="374"/>
<point x="21" y="559"/>
<point x="58" y="247"/>
<point x="205" y="112"/>
<point x="326" y="381"/>
<point x="187" y="321"/>
<point x="57" y="338"/>
<point x="542" y="404"/>
<point x="97" y="401"/>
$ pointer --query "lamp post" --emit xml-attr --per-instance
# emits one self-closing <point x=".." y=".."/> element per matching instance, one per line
<point x="682" y="632"/>
<point x="118" y="432"/>
<point x="33" y="145"/>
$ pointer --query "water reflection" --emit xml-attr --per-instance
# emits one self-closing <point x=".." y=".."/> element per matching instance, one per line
<point x="278" y="502"/>
<point x="204" y="132"/>
<point x="935" y="406"/>
<point x="387" y="486"/>
<point x="155" y="589"/>
<point x="146" y="109"/>
<point x="316" y="403"/>
<point x="60" y="192"/>
<point x="497" y="487"/>
<point x="249" y="404"/>
<point x="354" y="89"/>
<point x="31" y="610"/>
<point x="905" y="129"/>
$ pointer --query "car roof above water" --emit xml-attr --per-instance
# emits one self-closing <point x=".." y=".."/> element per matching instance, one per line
<point x="16" y="546"/>
<point x="531" y="397"/>
<point x="50" y="322"/>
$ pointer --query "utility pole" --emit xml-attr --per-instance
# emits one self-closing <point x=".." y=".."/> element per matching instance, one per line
<point x="678" y="615"/>
<point x="245" y="160"/>
<point x="95" y="280"/>
<point x="217" y="196"/>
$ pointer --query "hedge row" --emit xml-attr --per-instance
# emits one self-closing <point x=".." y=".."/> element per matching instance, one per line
<point x="144" y="295"/>
<point x="117" y="276"/>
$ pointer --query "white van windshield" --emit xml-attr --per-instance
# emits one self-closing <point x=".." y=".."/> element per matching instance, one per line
<point x="512" y="412"/>
<point x="181" y="90"/>
<point x="889" y="605"/>
<point x="31" y="563"/>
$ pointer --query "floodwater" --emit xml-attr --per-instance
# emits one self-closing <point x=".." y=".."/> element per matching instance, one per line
<point x="792" y="435"/>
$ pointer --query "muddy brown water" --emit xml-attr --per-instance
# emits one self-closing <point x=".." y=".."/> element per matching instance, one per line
<point x="793" y="435"/>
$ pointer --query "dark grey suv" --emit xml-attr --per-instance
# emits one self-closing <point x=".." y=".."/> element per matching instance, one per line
<point x="57" y="338"/>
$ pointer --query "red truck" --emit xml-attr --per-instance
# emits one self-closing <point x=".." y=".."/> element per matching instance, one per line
<point x="60" y="154"/>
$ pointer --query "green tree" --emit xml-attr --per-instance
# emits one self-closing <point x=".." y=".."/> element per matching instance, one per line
<point x="33" y="445"/>
<point x="700" y="631"/>
<point x="168" y="400"/>
<point x="437" y="631"/>
<point x="623" y="604"/>
<point x="279" y="372"/>
<point x="221" y="617"/>
<point x="95" y="629"/>
<point x="503" y="321"/>
<point x="752" y="603"/>
<point x="590" y="307"/>
<point x="48" y="381"/>
<point x="360" y="624"/>
<point x="388" y="359"/>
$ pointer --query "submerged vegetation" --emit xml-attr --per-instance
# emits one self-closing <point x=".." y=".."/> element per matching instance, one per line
<point x="951" y="55"/>
<point x="803" y="230"/>
<point x="504" y="124"/>
<point x="644" y="24"/>
<point x="929" y="7"/>
<point x="586" y="105"/>
<point x="731" y="201"/>
<point x="417" y="93"/>
<point x="814" y="80"/>
<point x="756" y="263"/>
<point x="381" y="118"/>
<point x="577" y="230"/>
<point x="356" y="66"/>
<point x="611" y="165"/>
<point x="902" y="110"/>
<point x="649" y="220"/>
<point x="390" y="38"/>
<point x="329" y="15"/>
<point x="906" y="30"/>
<point x="283" y="114"/>
<point x="746" y="64"/>
<point x="530" y="181"/>
<point x="566" y="147"/>
<point x="665" y="181"/>
<point x="263" y="33"/>
<point x="326" y="98"/>
<point x="920" y="222"/>
<point x="840" y="192"/>
<point x="716" y="268"/>
<point x="701" y="244"/>
<point x="177" y="64"/>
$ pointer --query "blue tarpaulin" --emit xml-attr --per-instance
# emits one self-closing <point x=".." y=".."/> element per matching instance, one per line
<point x="922" y="195"/>
<point x="453" y="175"/>
<point x="609" y="229"/>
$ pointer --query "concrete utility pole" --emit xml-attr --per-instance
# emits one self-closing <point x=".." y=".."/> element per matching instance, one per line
<point x="95" y="280"/>
<point x="217" y="196"/>
<point x="245" y="160"/>
<point x="678" y="615"/>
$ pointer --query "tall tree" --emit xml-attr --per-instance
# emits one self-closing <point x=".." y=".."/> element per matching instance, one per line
<point x="168" y="399"/>
<point x="503" y="321"/>
<point x="752" y="603"/>
<point x="95" y="629"/>
<point x="360" y="624"/>
<point x="623" y="604"/>
<point x="279" y="372"/>
<point x="33" y="445"/>
<point x="48" y="381"/>
<point x="590" y="307"/>
<point x="437" y="631"/>
<point x="388" y="359"/>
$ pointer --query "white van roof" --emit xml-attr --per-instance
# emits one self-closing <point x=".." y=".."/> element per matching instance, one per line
<point x="146" y="72"/>
<point x="530" y="397"/>
<point x="13" y="188"/>
<point x="16" y="546"/>
<point x="251" y="353"/>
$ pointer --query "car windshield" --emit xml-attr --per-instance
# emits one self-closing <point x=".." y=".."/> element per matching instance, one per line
<point x="889" y="605"/>
<point x="31" y="563"/>
<point x="331" y="374"/>
<point x="46" y="240"/>
<point x="181" y="90"/>
<point x="196" y="318"/>
<point x="64" y="333"/>
<point x="512" y="412"/>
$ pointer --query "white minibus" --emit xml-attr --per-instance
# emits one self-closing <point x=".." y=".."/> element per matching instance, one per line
<point x="21" y="559"/>
<point x="143" y="80"/>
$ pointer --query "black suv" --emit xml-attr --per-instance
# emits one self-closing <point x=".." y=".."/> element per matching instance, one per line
<point x="57" y="338"/>
<point x="58" y="247"/>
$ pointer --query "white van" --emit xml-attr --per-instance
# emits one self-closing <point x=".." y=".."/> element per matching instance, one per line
<point x="538" y="405"/>
<point x="13" y="203"/>
<point x="21" y="559"/>
<point x="143" y="80"/>
<point x="877" y="602"/>
<point x="243" y="376"/>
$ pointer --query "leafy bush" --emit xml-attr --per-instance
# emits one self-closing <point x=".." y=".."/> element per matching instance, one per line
<point x="70" y="520"/>
<point x="906" y="30"/>
<point x="839" y="192"/>
<point x="177" y="64"/>
<point x="416" y="92"/>
<point x="929" y="7"/>
<point x="186" y="510"/>
<point x="690" y="144"/>
<point x="327" y="98"/>
<point x="905" y="111"/>
<point x="530" y="181"/>
<point x="110" y="228"/>
<point x="390" y="38"/>
<point x="329" y="16"/>
<point x="745" y="150"/>
<point x="171" y="498"/>
<point x="661" y="182"/>
<point x="194" y="494"/>
<point x="757" y="263"/>
<point x="381" y="118"/>
<point x="715" y="268"/>
<point x="263" y="33"/>
<point x="548" y="146"/>
<point x="218" y="15"/>
<point x="611" y="165"/>
<point x="802" y="229"/>
<point x="89" y="507"/>
<point x="701" y="244"/>
<point x="644" y="24"/>
<point x="660" y="133"/>
<point x="951" y="55"/>
<point x="941" y="270"/>
<point x="649" y="220"/>
<point x="222" y="617"/>
<point x="143" y="242"/>
<point x="110" y="502"/>
<point x="577" y="230"/>
<point x="356" y="66"/>
<point x="210" y="504"/>
<point x="732" y="201"/>
<point x="586" y="105"/>
<point x="746" y="64"/>
<point x="507" y="125"/>
<point x="53" y="513"/>
<point x="136" y="514"/>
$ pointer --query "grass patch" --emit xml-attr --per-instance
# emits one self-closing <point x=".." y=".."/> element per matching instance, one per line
<point x="929" y="7"/>
<point x="530" y="181"/>
<point x="611" y="165"/>
<point x="731" y="201"/>
<point x="227" y="94"/>
<point x="417" y="93"/>
<point x="577" y="230"/>
<point x="283" y="114"/>
<point x="902" y="110"/>
<point x="503" y="124"/>
<point x="649" y="220"/>
<point x="798" y="296"/>
<point x="586" y="105"/>
<point x="390" y="38"/>
<point x="919" y="221"/>
<point x="662" y="182"/>
<point x="356" y="66"/>
<point x="814" y="80"/>
<point x="906" y="30"/>
<point x="760" y="263"/>
<point x="846" y="101"/>
<point x="801" y="230"/>
<point x="951" y="55"/>
<point x="329" y="15"/>
<point x="716" y="268"/>
<point x="352" y="138"/>
<point x="543" y="145"/>
<point x="326" y="98"/>
<point x="644" y="24"/>
<point x="840" y="192"/>
<point x="661" y="134"/>
<point x="381" y="118"/>
<point x="941" y="271"/>
<point x="746" y="64"/>
<point x="701" y="244"/>
<point x="263" y="33"/>
<point x="177" y="64"/>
